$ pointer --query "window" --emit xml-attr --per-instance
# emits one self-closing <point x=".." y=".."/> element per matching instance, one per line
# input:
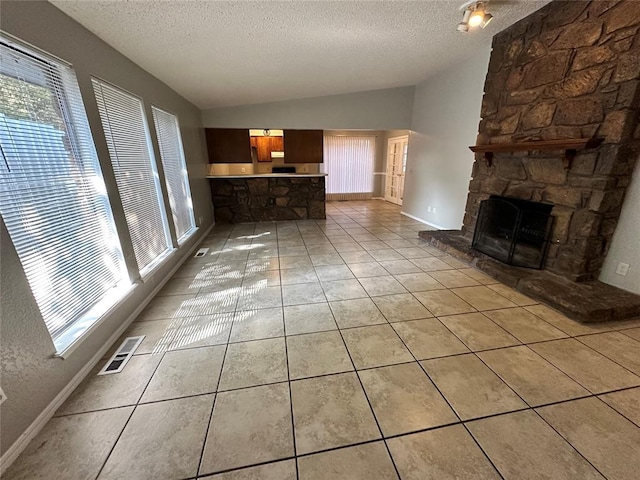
<point x="52" y="195"/>
<point x="175" y="172"/>
<point x="349" y="162"/>
<point x="133" y="162"/>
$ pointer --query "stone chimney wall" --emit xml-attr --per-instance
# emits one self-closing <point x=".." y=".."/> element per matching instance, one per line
<point x="570" y="70"/>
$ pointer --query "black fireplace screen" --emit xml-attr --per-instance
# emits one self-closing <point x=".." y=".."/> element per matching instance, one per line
<point x="514" y="231"/>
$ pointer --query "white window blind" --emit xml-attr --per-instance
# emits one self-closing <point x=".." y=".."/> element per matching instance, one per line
<point x="52" y="195"/>
<point x="133" y="162"/>
<point x="175" y="172"/>
<point x="349" y="163"/>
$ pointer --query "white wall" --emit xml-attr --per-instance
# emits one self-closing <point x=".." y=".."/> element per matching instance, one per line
<point x="372" y="110"/>
<point x="446" y="113"/>
<point x="625" y="246"/>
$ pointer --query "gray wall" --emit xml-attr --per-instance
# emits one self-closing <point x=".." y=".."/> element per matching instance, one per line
<point x="373" y="110"/>
<point x="30" y="376"/>
<point x="446" y="113"/>
<point x="625" y="246"/>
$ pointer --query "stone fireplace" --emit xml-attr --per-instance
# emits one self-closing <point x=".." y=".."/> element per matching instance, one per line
<point x="569" y="71"/>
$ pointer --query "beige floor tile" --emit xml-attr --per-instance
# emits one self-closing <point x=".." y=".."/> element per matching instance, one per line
<point x="522" y="446"/>
<point x="292" y="276"/>
<point x="375" y="346"/>
<point x="404" y="399"/>
<point x="211" y="302"/>
<point x="453" y="279"/>
<point x="418" y="282"/>
<point x="162" y="440"/>
<point x="283" y="470"/>
<point x="302" y="294"/>
<point x="267" y="264"/>
<point x="297" y="261"/>
<point x="165" y="307"/>
<point x="254" y="363"/>
<point x="98" y="392"/>
<point x="383" y="285"/>
<point x="329" y="273"/>
<point x="219" y="284"/>
<point x="330" y="412"/>
<point x="478" y="332"/>
<point x="363" y="462"/>
<point x="158" y="335"/>
<point x="291" y="251"/>
<point x="478" y="276"/>
<point x="513" y="295"/>
<point x="258" y="297"/>
<point x="413" y="252"/>
<point x="626" y="402"/>
<point x="454" y="262"/>
<point x="249" y="426"/>
<point x="447" y="453"/>
<point x="603" y="436"/>
<point x="400" y="307"/>
<point x="374" y="245"/>
<point x="180" y="286"/>
<point x="561" y="322"/>
<point x="356" y="313"/>
<point x="365" y="270"/>
<point x="73" y="447"/>
<point x="471" y="388"/>
<point x="530" y="376"/>
<point x="524" y="325"/>
<point x="354" y="255"/>
<point x="314" y="317"/>
<point x="616" y="346"/>
<point x="325" y="259"/>
<point x="182" y="373"/>
<point x="431" y="264"/>
<point x="585" y="366"/>
<point x="262" y="279"/>
<point x="343" y="290"/>
<point x="203" y="331"/>
<point x="397" y="267"/>
<point x="632" y="332"/>
<point x="386" y="255"/>
<point x="429" y="338"/>
<point x="443" y="302"/>
<point x="483" y="298"/>
<point x="257" y="324"/>
<point x="316" y="354"/>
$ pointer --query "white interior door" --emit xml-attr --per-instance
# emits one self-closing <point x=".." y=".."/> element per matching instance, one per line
<point x="396" y="165"/>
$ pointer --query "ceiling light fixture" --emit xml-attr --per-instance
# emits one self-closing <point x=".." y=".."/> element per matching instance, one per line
<point x="474" y="15"/>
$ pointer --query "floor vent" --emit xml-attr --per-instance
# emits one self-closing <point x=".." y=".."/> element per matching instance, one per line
<point x="122" y="355"/>
<point x="201" y="252"/>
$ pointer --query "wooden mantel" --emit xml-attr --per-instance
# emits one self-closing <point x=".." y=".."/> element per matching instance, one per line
<point x="569" y="145"/>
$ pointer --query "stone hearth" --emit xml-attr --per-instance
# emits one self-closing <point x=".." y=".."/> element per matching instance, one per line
<point x="571" y="70"/>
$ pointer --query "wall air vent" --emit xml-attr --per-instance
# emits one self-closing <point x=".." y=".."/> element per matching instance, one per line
<point x="202" y="252"/>
<point x="122" y="355"/>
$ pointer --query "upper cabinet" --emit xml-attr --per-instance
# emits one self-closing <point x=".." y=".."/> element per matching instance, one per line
<point x="228" y="145"/>
<point x="264" y="147"/>
<point x="303" y="146"/>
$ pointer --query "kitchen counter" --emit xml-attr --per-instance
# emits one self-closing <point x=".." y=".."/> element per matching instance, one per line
<point x="262" y="197"/>
<point x="270" y="175"/>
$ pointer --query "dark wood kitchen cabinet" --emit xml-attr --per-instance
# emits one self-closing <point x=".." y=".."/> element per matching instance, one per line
<point x="228" y="145"/>
<point x="303" y="146"/>
<point x="263" y="147"/>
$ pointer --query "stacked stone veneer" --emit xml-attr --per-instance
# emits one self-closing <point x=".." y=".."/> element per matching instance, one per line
<point x="238" y="200"/>
<point x="569" y="70"/>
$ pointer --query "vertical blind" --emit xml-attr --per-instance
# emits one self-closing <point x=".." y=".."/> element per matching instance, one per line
<point x="133" y="162"/>
<point x="52" y="195"/>
<point x="349" y="163"/>
<point x="175" y="172"/>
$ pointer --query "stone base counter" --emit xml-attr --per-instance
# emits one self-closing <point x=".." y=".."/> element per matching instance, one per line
<point x="267" y="197"/>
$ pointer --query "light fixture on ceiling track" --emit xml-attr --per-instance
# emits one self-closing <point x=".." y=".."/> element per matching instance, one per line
<point x="474" y="15"/>
<point x="266" y="132"/>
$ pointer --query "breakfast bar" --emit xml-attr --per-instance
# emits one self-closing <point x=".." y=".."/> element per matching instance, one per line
<point x="265" y="197"/>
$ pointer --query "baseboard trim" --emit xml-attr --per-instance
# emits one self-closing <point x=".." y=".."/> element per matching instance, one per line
<point x="14" y="451"/>
<point x="424" y="221"/>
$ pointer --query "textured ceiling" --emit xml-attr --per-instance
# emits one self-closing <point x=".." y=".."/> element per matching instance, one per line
<point x="222" y="53"/>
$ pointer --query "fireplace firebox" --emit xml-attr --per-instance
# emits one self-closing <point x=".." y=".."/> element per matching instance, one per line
<point x="514" y="231"/>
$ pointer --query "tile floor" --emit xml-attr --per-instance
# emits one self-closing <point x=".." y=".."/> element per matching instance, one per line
<point x="349" y="349"/>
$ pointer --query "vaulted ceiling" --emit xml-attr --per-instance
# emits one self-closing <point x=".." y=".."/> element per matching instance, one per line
<point x="223" y="53"/>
